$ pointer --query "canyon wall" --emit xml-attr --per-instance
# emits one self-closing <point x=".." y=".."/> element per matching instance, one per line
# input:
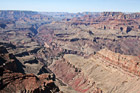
<point x="105" y="71"/>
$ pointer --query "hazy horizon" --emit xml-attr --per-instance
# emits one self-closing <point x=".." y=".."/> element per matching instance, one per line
<point x="71" y="6"/>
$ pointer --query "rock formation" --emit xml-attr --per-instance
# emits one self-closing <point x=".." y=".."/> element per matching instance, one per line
<point x="104" y="71"/>
<point x="12" y="80"/>
<point x="110" y="20"/>
<point x="126" y="62"/>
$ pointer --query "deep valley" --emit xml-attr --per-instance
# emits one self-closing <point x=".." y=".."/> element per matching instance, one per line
<point x="89" y="52"/>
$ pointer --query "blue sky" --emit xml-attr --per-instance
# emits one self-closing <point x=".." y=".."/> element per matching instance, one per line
<point x="71" y="5"/>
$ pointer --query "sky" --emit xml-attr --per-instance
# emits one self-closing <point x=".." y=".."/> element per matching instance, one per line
<point x="72" y="6"/>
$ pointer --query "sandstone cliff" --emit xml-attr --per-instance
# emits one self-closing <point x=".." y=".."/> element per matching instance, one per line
<point x="105" y="71"/>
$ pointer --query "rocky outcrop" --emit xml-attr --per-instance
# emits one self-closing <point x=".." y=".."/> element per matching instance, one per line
<point x="10" y="62"/>
<point x="118" y="24"/>
<point x="18" y="82"/>
<point x="125" y="62"/>
<point x="13" y="79"/>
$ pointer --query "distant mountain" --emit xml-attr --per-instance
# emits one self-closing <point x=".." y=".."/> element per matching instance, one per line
<point x="22" y="15"/>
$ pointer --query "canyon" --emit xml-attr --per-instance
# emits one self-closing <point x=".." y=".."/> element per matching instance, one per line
<point x="69" y="52"/>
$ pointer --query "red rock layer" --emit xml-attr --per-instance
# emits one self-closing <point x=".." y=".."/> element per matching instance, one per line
<point x="18" y="82"/>
<point x="127" y="63"/>
<point x="73" y="77"/>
